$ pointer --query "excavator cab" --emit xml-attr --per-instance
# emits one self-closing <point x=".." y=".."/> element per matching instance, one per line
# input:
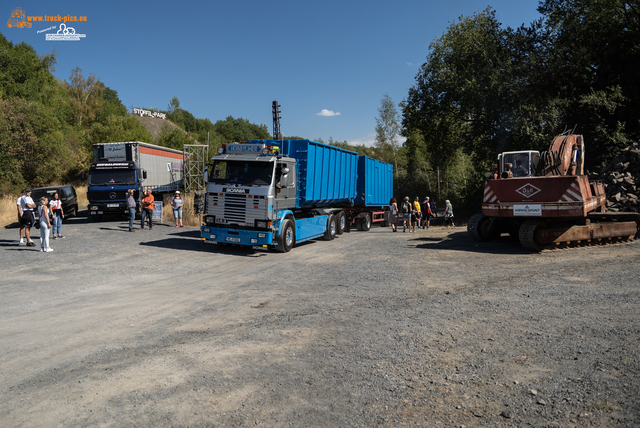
<point x="520" y="164"/>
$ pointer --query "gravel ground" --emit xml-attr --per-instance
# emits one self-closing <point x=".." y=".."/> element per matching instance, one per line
<point x="155" y="328"/>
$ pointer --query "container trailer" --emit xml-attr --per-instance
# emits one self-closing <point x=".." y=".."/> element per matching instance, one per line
<point x="274" y="194"/>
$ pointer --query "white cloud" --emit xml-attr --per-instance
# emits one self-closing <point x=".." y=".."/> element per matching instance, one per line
<point x="409" y="63"/>
<point x="326" y="112"/>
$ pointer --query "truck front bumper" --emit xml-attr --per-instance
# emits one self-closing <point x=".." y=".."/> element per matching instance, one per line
<point x="107" y="208"/>
<point x="236" y="236"/>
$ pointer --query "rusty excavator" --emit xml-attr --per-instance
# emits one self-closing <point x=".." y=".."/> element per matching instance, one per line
<point x="546" y="200"/>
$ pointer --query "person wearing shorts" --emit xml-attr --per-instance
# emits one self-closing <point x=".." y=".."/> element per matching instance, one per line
<point x="426" y="212"/>
<point x="406" y="214"/>
<point x="176" y="205"/>
<point x="417" y="214"/>
<point x="19" y="205"/>
<point x="28" y="219"/>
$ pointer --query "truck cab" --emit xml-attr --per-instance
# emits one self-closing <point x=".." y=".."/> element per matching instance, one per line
<point x="108" y="184"/>
<point x="248" y="185"/>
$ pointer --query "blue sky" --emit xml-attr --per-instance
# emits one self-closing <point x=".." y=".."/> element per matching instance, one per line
<point x="235" y="57"/>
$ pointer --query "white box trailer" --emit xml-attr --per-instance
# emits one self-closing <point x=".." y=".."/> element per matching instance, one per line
<point x="163" y="166"/>
<point x="119" y="167"/>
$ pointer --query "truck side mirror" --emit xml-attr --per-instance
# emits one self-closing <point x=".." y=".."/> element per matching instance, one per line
<point x="144" y="174"/>
<point x="284" y="180"/>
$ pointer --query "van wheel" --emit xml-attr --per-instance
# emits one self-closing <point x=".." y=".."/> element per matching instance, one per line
<point x="332" y="227"/>
<point x="286" y="238"/>
<point x="341" y="222"/>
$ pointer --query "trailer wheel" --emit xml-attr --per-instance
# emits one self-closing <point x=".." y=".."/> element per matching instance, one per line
<point x="332" y="227"/>
<point x="366" y="222"/>
<point x="286" y="238"/>
<point x="341" y="222"/>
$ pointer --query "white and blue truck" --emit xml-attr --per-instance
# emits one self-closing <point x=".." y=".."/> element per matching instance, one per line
<point x="273" y="194"/>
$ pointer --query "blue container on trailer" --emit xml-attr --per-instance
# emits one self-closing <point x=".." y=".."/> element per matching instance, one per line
<point x="327" y="175"/>
<point x="375" y="182"/>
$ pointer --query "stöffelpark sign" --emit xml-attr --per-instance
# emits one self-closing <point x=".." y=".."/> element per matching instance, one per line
<point x="142" y="112"/>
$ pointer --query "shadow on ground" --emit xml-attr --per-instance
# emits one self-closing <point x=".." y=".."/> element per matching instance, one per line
<point x="461" y="241"/>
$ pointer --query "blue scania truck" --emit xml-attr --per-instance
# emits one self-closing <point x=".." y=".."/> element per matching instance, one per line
<point x="274" y="194"/>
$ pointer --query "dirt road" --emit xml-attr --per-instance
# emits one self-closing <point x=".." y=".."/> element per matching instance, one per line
<point x="155" y="328"/>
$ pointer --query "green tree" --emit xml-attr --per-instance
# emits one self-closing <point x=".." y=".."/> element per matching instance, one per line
<point x="84" y="95"/>
<point x="591" y="51"/>
<point x="32" y="145"/>
<point x="174" y="105"/>
<point x="173" y="137"/>
<point x="117" y="128"/>
<point x="387" y="132"/>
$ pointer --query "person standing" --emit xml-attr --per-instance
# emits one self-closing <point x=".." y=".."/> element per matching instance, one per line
<point x="147" y="209"/>
<point x="19" y="206"/>
<point x="417" y="212"/>
<point x="427" y="213"/>
<point x="27" y="206"/>
<point x="406" y="214"/>
<point x="393" y="214"/>
<point x="448" y="214"/>
<point x="131" y="207"/>
<point x="58" y="215"/>
<point x="176" y="204"/>
<point x="45" y="225"/>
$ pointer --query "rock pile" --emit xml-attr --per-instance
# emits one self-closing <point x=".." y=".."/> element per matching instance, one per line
<point x="621" y="180"/>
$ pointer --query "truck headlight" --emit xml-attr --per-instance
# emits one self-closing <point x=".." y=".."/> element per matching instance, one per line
<point x="261" y="224"/>
<point x="254" y="241"/>
<point x="207" y="229"/>
<point x="262" y="235"/>
<point x="210" y="219"/>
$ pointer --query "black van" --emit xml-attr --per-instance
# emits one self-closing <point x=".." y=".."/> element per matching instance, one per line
<point x="67" y="195"/>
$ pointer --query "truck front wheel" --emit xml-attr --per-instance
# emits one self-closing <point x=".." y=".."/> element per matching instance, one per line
<point x="286" y="238"/>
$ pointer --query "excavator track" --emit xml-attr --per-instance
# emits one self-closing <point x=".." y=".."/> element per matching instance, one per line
<point x="598" y="229"/>
<point x="482" y="228"/>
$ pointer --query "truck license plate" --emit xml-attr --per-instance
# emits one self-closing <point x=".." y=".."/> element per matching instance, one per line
<point x="231" y="239"/>
<point x="113" y="205"/>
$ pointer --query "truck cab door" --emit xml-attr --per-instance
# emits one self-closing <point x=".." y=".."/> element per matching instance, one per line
<point x="285" y="183"/>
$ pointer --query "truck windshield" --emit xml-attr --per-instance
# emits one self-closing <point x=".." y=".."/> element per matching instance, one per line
<point x="519" y="162"/>
<point x="242" y="172"/>
<point x="107" y="177"/>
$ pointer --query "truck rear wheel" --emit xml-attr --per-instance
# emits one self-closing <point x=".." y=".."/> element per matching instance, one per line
<point x="332" y="227"/>
<point x="366" y="222"/>
<point x="341" y="222"/>
<point x="286" y="238"/>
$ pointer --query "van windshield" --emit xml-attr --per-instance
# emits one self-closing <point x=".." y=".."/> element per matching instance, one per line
<point x="242" y="172"/>
<point x="108" y="177"/>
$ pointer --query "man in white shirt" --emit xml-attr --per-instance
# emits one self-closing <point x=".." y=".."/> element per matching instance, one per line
<point x="19" y="206"/>
<point x="27" y="206"/>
